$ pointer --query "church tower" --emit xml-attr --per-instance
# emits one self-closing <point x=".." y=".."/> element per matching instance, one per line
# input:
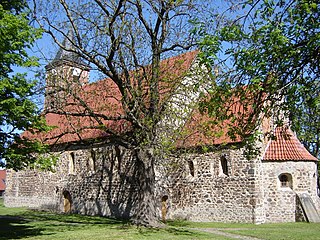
<point x="64" y="75"/>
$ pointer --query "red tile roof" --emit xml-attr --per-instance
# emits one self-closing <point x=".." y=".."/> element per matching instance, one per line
<point x="286" y="147"/>
<point x="2" y="180"/>
<point x="104" y="98"/>
<point x="203" y="130"/>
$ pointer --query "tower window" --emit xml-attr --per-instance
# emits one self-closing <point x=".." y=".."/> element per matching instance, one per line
<point x="76" y="72"/>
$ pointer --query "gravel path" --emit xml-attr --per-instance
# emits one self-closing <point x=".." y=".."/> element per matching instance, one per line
<point x="219" y="231"/>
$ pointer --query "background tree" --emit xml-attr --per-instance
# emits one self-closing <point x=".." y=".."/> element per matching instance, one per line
<point x="125" y="41"/>
<point x="17" y="112"/>
<point x="305" y="116"/>
<point x="267" y="59"/>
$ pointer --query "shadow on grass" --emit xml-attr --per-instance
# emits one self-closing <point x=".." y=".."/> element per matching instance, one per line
<point x="70" y="218"/>
<point x="178" y="223"/>
<point x="16" y="228"/>
<point x="36" y="223"/>
<point x="167" y="231"/>
<point x="184" y="232"/>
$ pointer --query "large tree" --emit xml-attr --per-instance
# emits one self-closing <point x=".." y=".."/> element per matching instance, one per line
<point x="126" y="41"/>
<point x="17" y="111"/>
<point x="267" y="58"/>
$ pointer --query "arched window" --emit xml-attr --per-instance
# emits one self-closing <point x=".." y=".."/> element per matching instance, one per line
<point x="118" y="153"/>
<point x="92" y="160"/>
<point x="224" y="166"/>
<point x="285" y="180"/>
<point x="72" y="163"/>
<point x="191" y="168"/>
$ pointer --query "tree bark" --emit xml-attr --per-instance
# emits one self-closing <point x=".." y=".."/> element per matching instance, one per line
<point x="146" y="210"/>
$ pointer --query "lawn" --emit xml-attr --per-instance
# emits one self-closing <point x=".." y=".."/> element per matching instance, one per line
<point x="274" y="231"/>
<point x="20" y="223"/>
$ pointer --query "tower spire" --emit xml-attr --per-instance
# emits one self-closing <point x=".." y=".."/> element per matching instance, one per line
<point x="67" y="55"/>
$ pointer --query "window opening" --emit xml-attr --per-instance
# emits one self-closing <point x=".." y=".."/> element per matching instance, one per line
<point x="164" y="207"/>
<point x="92" y="160"/>
<point x="72" y="163"/>
<point x="224" y="166"/>
<point x="191" y="168"/>
<point x="285" y="180"/>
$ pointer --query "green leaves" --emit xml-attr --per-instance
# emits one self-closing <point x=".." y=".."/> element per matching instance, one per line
<point x="232" y="33"/>
<point x="17" y="112"/>
<point x="15" y="36"/>
<point x="273" y="50"/>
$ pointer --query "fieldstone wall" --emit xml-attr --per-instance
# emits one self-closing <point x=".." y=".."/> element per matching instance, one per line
<point x="280" y="202"/>
<point x="100" y="181"/>
<point x="31" y="188"/>
<point x="210" y="193"/>
<point x="220" y="186"/>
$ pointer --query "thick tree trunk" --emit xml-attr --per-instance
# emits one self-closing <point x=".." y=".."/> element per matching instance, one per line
<point x="146" y="211"/>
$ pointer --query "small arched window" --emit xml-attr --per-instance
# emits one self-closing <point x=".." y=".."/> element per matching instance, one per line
<point x="72" y="163"/>
<point x="191" y="168"/>
<point x="285" y="180"/>
<point x="92" y="160"/>
<point x="224" y="166"/>
<point x="118" y="153"/>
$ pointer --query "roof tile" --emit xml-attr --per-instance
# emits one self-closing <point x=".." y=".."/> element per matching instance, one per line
<point x="286" y="147"/>
<point x="104" y="98"/>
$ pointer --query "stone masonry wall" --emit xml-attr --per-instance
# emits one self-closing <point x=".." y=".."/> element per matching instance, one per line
<point x="221" y="186"/>
<point x="280" y="202"/>
<point x="209" y="194"/>
<point x="99" y="180"/>
<point x="31" y="188"/>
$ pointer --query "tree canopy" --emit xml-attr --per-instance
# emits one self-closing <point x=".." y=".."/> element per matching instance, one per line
<point x="126" y="41"/>
<point x="267" y="57"/>
<point x="17" y="112"/>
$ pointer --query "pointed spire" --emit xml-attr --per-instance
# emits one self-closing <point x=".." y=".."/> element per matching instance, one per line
<point x="64" y="56"/>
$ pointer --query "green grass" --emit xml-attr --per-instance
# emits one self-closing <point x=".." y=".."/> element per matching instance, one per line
<point x="274" y="231"/>
<point x="281" y="231"/>
<point x="218" y="225"/>
<point x="21" y="223"/>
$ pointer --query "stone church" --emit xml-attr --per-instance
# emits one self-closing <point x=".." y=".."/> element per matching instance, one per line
<point x="95" y="175"/>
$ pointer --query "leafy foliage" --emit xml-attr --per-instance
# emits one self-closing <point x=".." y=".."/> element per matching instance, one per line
<point x="267" y="60"/>
<point x="17" y="112"/>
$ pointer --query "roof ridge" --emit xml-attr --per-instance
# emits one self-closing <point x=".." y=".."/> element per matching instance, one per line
<point x="196" y="51"/>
